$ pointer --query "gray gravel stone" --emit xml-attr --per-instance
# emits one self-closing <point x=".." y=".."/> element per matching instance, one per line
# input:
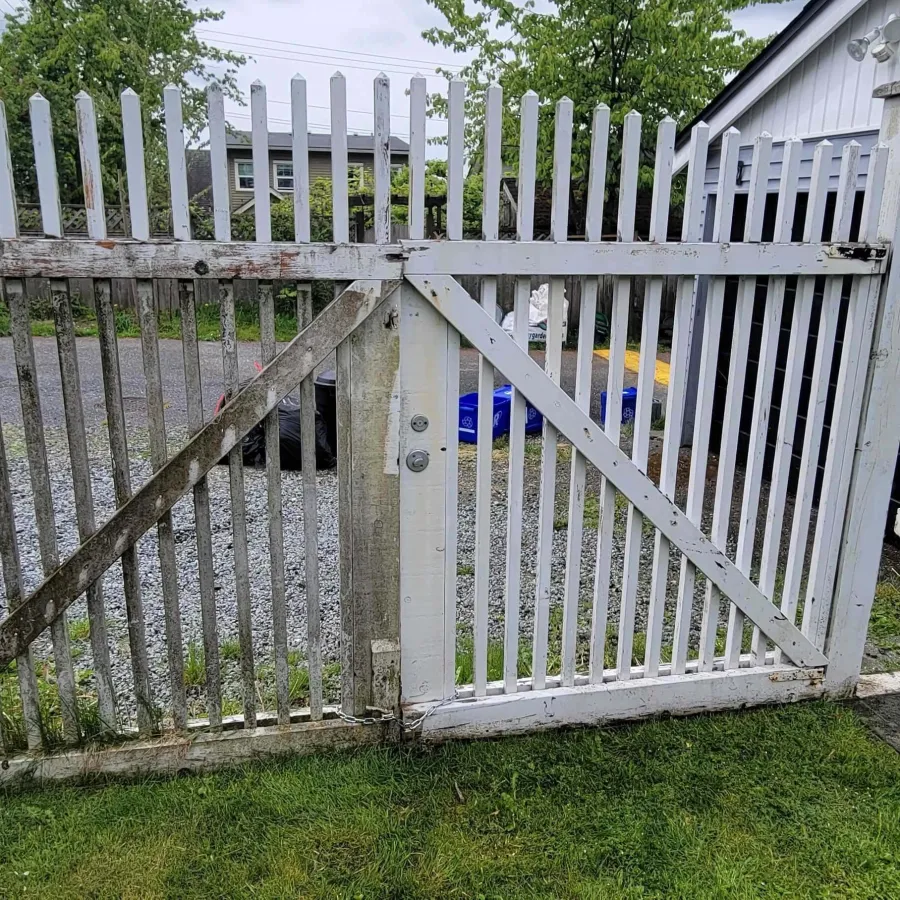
<point x="183" y="521"/>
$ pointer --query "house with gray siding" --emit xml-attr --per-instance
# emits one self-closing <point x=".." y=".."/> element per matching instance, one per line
<point x="806" y="85"/>
<point x="360" y="159"/>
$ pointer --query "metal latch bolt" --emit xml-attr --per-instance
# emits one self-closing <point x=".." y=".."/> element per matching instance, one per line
<point x="417" y="460"/>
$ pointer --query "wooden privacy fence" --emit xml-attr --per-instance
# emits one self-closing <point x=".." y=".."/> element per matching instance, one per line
<point x="673" y="597"/>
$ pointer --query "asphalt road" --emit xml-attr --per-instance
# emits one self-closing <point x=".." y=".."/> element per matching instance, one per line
<point x="133" y="385"/>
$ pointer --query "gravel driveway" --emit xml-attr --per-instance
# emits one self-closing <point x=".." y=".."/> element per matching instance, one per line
<point x="183" y="520"/>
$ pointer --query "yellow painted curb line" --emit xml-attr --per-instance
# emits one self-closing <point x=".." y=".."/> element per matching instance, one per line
<point x="633" y="362"/>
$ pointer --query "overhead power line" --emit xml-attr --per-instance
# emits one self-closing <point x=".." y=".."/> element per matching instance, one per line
<point x="240" y="115"/>
<point x="363" y="112"/>
<point x="398" y="59"/>
<point x="328" y="61"/>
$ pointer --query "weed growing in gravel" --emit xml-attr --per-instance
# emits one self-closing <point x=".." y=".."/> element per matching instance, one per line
<point x="465" y="661"/>
<point x="231" y="706"/>
<point x="79" y="630"/>
<point x="465" y="570"/>
<point x="591" y="515"/>
<point x="230" y="651"/>
<point x="298" y="684"/>
<point x="194" y="666"/>
<point x="12" y="718"/>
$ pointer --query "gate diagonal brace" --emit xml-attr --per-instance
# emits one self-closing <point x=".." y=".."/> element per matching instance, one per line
<point x="466" y="315"/>
<point x="187" y="467"/>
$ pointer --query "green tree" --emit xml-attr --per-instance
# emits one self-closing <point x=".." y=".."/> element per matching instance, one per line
<point x="661" y="57"/>
<point x="61" y="47"/>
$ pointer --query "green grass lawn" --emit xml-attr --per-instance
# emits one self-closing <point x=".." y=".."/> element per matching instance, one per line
<point x="128" y="325"/>
<point x="791" y="802"/>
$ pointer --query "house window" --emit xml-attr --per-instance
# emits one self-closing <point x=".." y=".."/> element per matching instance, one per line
<point x="243" y="172"/>
<point x="283" y="176"/>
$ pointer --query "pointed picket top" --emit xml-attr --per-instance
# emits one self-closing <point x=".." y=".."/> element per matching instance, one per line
<point x="851" y="143"/>
<point x="300" y="156"/>
<point x="417" y="144"/>
<point x="256" y="84"/>
<point x="694" y="198"/>
<point x="787" y="189"/>
<point x="593" y="226"/>
<point x="178" y="189"/>
<point x="418" y="75"/>
<point x="530" y="93"/>
<point x="133" y="138"/>
<point x="872" y="201"/>
<point x="456" y="102"/>
<point x="382" y="75"/>
<point x="9" y="219"/>
<point x="172" y="87"/>
<point x="36" y="97"/>
<point x="45" y="165"/>
<point x="214" y="88"/>
<point x="89" y="151"/>
<point x="666" y="120"/>
<point x="338" y="75"/>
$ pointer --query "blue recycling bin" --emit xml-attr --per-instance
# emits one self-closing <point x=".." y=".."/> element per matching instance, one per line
<point x="468" y="415"/>
<point x="629" y="403"/>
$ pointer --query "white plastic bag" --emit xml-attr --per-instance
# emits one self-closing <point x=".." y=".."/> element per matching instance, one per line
<point x="537" y="315"/>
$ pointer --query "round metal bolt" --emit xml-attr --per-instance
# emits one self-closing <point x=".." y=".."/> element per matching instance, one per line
<point x="419" y="422"/>
<point x="417" y="460"/>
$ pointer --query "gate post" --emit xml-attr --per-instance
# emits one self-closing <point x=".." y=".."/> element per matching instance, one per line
<point x="429" y="390"/>
<point x="368" y="363"/>
<point x="875" y="454"/>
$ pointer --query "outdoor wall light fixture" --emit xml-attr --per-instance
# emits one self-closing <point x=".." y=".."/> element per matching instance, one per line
<point x="881" y="41"/>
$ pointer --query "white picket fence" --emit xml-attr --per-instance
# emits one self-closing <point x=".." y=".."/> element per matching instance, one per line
<point x="396" y="331"/>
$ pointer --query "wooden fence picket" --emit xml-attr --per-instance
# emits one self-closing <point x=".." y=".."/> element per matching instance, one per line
<point x="562" y="164"/>
<point x="518" y="404"/>
<point x="734" y="403"/>
<point x="712" y="325"/>
<point x="634" y="529"/>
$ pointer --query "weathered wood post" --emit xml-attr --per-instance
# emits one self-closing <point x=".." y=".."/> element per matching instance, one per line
<point x="875" y="454"/>
<point x="368" y="495"/>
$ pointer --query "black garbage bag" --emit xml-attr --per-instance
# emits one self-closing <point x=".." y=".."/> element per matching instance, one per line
<point x="253" y="447"/>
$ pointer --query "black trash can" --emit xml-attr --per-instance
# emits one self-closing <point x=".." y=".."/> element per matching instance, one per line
<point x="326" y="405"/>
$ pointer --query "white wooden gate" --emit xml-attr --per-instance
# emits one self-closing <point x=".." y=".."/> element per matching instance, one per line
<point x="726" y="632"/>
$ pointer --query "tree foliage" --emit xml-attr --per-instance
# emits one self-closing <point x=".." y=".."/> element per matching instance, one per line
<point x="661" y="57"/>
<point x="61" y="47"/>
<point x="243" y="226"/>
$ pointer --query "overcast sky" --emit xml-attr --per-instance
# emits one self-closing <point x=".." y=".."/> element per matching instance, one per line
<point x="289" y="36"/>
<point x="359" y="37"/>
